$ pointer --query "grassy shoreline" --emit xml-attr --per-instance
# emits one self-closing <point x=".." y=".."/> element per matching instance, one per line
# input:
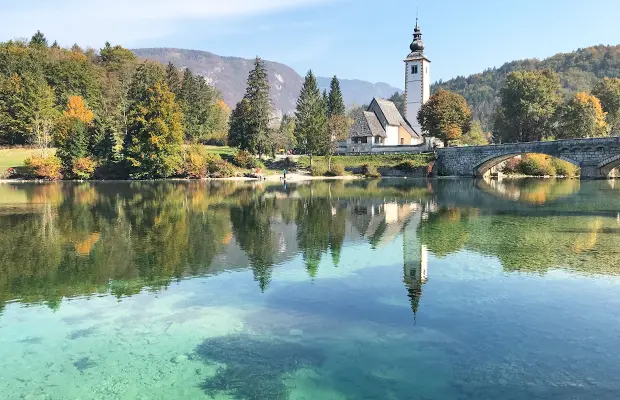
<point x="299" y="165"/>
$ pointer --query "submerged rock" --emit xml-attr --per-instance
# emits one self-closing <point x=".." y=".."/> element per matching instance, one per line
<point x="83" y="364"/>
<point x="254" y="367"/>
<point x="180" y="359"/>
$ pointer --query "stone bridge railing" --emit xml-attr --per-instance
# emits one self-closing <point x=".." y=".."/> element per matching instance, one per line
<point x="596" y="157"/>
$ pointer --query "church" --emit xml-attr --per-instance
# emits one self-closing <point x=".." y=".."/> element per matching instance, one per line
<point x="381" y="128"/>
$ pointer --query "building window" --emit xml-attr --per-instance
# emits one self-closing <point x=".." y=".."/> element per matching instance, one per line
<point x="377" y="139"/>
<point x="364" y="139"/>
<point x="414" y="69"/>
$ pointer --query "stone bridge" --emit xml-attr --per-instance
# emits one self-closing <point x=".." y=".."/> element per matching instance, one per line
<point x="596" y="157"/>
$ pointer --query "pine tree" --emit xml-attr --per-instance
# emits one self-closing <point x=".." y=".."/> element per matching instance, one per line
<point x="172" y="79"/>
<point x="38" y="40"/>
<point x="311" y="116"/>
<point x="249" y="123"/>
<point x="335" y="103"/>
<point x="154" y="140"/>
<point x="237" y="125"/>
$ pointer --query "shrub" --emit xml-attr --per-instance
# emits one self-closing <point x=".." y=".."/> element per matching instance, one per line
<point x="318" y="170"/>
<point x="44" y="167"/>
<point x="336" y="170"/>
<point x="564" y="168"/>
<point x="83" y="167"/>
<point x="370" y="171"/>
<point x="222" y="169"/>
<point x="512" y="165"/>
<point x="195" y="165"/>
<point x="536" y="165"/>
<point x="243" y="159"/>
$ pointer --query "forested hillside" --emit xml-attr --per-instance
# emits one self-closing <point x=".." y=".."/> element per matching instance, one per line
<point x="38" y="81"/>
<point x="578" y="71"/>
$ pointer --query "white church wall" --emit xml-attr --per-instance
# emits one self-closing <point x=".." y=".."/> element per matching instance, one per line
<point x="392" y="135"/>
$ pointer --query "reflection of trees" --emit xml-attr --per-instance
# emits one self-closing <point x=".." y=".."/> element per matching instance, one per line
<point x="533" y="191"/>
<point x="445" y="232"/>
<point x="140" y="235"/>
<point x="584" y="243"/>
<point x="251" y="224"/>
<point x="313" y="230"/>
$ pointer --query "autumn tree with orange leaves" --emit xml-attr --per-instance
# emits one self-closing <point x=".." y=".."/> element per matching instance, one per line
<point x="582" y="117"/>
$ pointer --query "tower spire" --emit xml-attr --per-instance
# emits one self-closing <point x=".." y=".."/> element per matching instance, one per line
<point x="417" y="46"/>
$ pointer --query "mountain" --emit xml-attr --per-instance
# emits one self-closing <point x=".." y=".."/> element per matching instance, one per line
<point x="578" y="71"/>
<point x="359" y="92"/>
<point x="229" y="75"/>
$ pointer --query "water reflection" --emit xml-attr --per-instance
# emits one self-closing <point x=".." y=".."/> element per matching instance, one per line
<point x="66" y="240"/>
<point x="530" y="190"/>
<point x="382" y="289"/>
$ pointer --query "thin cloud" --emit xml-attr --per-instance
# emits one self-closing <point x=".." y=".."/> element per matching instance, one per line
<point x="126" y="21"/>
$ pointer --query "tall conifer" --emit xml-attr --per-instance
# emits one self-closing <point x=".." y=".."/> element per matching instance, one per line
<point x="311" y="115"/>
<point x="335" y="103"/>
<point x="249" y="124"/>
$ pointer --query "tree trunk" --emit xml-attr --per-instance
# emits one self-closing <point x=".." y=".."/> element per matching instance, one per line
<point x="329" y="162"/>
<point x="310" y="160"/>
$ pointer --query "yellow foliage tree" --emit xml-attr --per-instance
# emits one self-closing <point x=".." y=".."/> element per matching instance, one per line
<point x="583" y="117"/>
<point x="76" y="108"/>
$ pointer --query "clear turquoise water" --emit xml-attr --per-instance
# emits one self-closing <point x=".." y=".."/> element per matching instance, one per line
<point x="359" y="290"/>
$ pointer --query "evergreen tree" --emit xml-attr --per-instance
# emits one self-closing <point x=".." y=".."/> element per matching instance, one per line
<point x="172" y="79"/>
<point x="74" y="145"/>
<point x="335" y="103"/>
<point x="38" y="40"/>
<point x="311" y="119"/>
<point x="237" y="125"/>
<point x="154" y="141"/>
<point x="55" y="45"/>
<point x="249" y="122"/>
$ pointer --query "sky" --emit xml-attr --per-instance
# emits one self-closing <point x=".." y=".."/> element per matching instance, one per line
<point x="353" y="39"/>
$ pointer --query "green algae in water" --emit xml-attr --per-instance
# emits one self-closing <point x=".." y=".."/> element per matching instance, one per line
<point x="254" y="367"/>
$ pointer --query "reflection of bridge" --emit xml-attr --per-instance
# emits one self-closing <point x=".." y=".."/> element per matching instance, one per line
<point x="596" y="157"/>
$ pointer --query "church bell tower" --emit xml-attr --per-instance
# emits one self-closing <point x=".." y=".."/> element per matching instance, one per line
<point x="417" y="79"/>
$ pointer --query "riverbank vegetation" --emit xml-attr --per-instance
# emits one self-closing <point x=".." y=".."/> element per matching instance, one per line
<point x="539" y="165"/>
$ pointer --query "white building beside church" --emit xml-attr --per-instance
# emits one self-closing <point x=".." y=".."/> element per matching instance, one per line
<point x="381" y="128"/>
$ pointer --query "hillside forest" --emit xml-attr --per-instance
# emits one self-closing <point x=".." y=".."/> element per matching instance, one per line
<point x="578" y="71"/>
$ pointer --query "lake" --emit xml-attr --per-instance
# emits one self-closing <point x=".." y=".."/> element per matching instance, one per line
<point x="389" y="289"/>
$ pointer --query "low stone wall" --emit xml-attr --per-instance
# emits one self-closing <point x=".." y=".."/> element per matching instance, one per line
<point x="419" y="172"/>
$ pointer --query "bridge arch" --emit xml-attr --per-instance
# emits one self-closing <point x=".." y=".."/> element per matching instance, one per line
<point x="609" y="164"/>
<point x="486" y="164"/>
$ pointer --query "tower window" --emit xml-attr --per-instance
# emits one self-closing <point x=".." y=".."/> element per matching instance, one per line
<point x="414" y="69"/>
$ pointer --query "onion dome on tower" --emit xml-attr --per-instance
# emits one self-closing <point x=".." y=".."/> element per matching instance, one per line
<point x="417" y="46"/>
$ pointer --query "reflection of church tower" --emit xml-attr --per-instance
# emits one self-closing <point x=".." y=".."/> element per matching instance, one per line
<point x="415" y="257"/>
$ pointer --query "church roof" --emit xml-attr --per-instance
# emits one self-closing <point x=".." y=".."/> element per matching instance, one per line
<point x="392" y="115"/>
<point x="375" y="126"/>
<point x="365" y="123"/>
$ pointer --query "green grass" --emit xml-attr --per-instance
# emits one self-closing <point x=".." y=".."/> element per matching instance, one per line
<point x="377" y="160"/>
<point x="221" y="150"/>
<point x="16" y="157"/>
